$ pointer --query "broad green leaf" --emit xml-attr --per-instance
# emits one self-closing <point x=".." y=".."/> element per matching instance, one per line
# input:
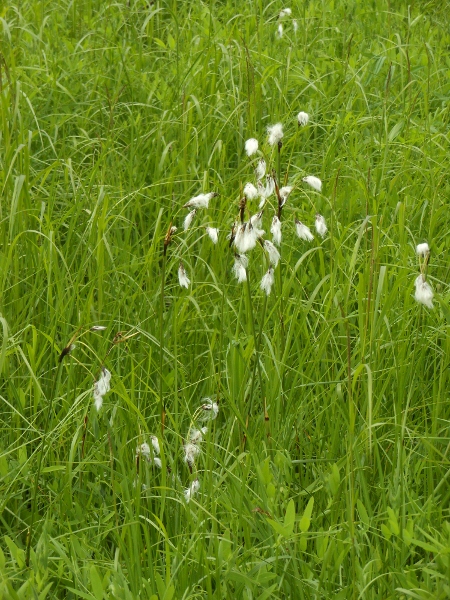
<point x="393" y="523"/>
<point x="96" y="583"/>
<point x="305" y="521"/>
<point x="334" y="479"/>
<point x="268" y="593"/>
<point x="278" y="528"/>
<point x="363" y="513"/>
<point x="289" y="517"/>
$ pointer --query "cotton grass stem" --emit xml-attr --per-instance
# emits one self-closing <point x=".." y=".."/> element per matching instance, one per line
<point x="167" y="239"/>
<point x="162" y="411"/>
<point x="257" y="345"/>
<point x="257" y="364"/>
<point x="350" y="462"/>
<point x="54" y="391"/>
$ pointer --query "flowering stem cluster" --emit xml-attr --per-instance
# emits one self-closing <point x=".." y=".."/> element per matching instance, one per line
<point x="207" y="411"/>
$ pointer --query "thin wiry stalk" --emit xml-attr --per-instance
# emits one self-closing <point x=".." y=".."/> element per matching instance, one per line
<point x="162" y="411"/>
<point x="53" y="393"/>
<point x="256" y="350"/>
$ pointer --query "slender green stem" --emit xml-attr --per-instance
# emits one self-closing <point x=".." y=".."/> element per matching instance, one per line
<point x="257" y="359"/>
<point x="351" y="468"/>
<point x="161" y="342"/>
<point x="41" y="454"/>
<point x="257" y="343"/>
<point x="279" y="163"/>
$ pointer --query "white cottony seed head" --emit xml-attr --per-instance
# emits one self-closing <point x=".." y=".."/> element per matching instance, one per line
<point x="213" y="234"/>
<point x="275" y="131"/>
<point x="256" y="219"/>
<point x="275" y="230"/>
<point x="286" y="12"/>
<point x="101" y="387"/>
<point x="314" y="182"/>
<point x="267" y="281"/>
<point x="155" y="444"/>
<point x="191" y="451"/>
<point x="210" y="410"/>
<point x="144" y="450"/>
<point x="189" y="218"/>
<point x="260" y="170"/>
<point x="240" y="237"/>
<point x="103" y="384"/>
<point x="182" y="276"/>
<point x="303" y="232"/>
<point x="196" y="435"/>
<point x="250" y="192"/>
<point x="280" y="30"/>
<point x="247" y="235"/>
<point x="424" y="292"/>
<point x="274" y="255"/>
<point x="423" y="249"/>
<point x="239" y="270"/>
<point x="284" y="193"/>
<point x="98" y="328"/>
<point x="251" y="146"/>
<point x="270" y="186"/>
<point x="98" y="400"/>
<point x="302" y="118"/>
<point x="192" y="490"/>
<point x="200" y="201"/>
<point x="295" y="25"/>
<point x="321" y="226"/>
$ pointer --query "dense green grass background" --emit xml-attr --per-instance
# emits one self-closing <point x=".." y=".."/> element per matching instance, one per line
<point x="326" y="473"/>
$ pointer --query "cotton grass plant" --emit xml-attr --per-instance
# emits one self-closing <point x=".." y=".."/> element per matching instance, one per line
<point x="325" y="471"/>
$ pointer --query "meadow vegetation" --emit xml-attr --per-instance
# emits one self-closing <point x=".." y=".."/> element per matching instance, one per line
<point x="326" y="471"/>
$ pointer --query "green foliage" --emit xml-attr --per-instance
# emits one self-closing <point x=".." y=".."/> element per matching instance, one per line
<point x="326" y="472"/>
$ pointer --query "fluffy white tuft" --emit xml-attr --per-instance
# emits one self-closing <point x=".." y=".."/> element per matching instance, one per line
<point x="314" y="182"/>
<point x="213" y="234"/>
<point x="189" y="218"/>
<point x="260" y="170"/>
<point x="155" y="444"/>
<point x="191" y="451"/>
<point x="251" y="146"/>
<point x="102" y="387"/>
<point x="239" y="270"/>
<point x="182" y="277"/>
<point x="196" y="435"/>
<point x="98" y="401"/>
<point x="270" y="186"/>
<point x="275" y="131"/>
<point x="192" y="490"/>
<point x="274" y="255"/>
<point x="200" y="201"/>
<point x="267" y="281"/>
<point x="423" y="249"/>
<point x="302" y="118"/>
<point x="321" y="226"/>
<point x="284" y="193"/>
<point x="209" y="409"/>
<point x="275" y="230"/>
<point x="303" y="232"/>
<point x="247" y="235"/>
<point x="424" y="292"/>
<point x="250" y="192"/>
